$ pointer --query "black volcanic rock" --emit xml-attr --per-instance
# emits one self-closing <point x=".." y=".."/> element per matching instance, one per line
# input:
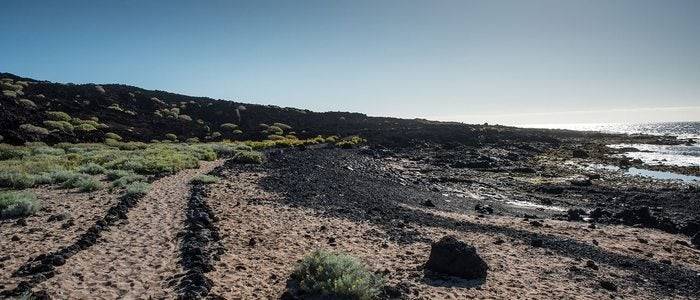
<point x="452" y="257"/>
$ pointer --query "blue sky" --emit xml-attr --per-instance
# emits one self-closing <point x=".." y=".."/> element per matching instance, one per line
<point x="507" y="62"/>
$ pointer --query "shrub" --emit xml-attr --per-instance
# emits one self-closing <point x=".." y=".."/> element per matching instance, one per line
<point x="215" y="135"/>
<point x="350" y="141"/>
<point x="58" y="116"/>
<point x="248" y="157"/>
<point x="26" y="103"/>
<point x="12" y="152"/>
<point x="46" y="150"/>
<point x="282" y="126"/>
<point x="116" y="174"/>
<point x="61" y="176"/>
<point x="184" y="118"/>
<point x="84" y="183"/>
<point x="237" y="131"/>
<point x="115" y="107"/>
<point x="59" y="125"/>
<point x="11" y="94"/>
<point x="31" y="129"/>
<point x="100" y="89"/>
<point x="16" y="180"/>
<point x="229" y="126"/>
<point x="204" y="179"/>
<point x="92" y="169"/>
<point x="112" y="135"/>
<point x="192" y="140"/>
<point x="85" y="128"/>
<point x="274" y="130"/>
<point x="137" y="189"/>
<point x="17" y="204"/>
<point x="171" y="136"/>
<point x="337" y="276"/>
<point x="128" y="179"/>
<point x="274" y="137"/>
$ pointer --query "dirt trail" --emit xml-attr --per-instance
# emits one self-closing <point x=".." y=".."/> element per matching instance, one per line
<point x="137" y="259"/>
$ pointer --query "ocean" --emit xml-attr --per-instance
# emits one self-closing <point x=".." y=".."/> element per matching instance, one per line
<point x="680" y="155"/>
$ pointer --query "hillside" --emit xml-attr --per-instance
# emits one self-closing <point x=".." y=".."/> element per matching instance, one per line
<point x="145" y="115"/>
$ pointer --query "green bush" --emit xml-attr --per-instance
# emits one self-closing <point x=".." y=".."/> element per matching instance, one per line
<point x="184" y="118"/>
<point x="229" y="126"/>
<point x="113" y="136"/>
<point x="282" y="126"/>
<point x="248" y="157"/>
<point x="85" y="127"/>
<point x="59" y="177"/>
<point x="274" y="137"/>
<point x="171" y="136"/>
<point x="126" y="180"/>
<point x="60" y="125"/>
<point x="84" y="183"/>
<point x="58" y="116"/>
<point x="204" y="179"/>
<point x="349" y="142"/>
<point x="31" y="129"/>
<point x="11" y="94"/>
<point x="336" y="276"/>
<point x="274" y="130"/>
<point x="26" y="103"/>
<point x="192" y="140"/>
<point x="46" y="150"/>
<point x="17" y="204"/>
<point x="138" y="188"/>
<point x="92" y="169"/>
<point x="16" y="180"/>
<point x="12" y="152"/>
<point x="116" y="174"/>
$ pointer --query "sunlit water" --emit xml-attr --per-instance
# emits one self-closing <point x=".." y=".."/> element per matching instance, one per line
<point x="679" y="155"/>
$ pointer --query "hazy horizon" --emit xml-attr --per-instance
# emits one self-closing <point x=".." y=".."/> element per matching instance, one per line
<point x="504" y="62"/>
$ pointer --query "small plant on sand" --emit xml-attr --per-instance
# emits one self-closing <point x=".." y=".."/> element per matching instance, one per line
<point x="17" y="204"/>
<point x="116" y="174"/>
<point x="204" y="179"/>
<point x="127" y="180"/>
<point x="336" y="276"/>
<point x="138" y="188"/>
<point x="92" y="169"/>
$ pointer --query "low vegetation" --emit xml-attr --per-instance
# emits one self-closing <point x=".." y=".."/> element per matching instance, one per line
<point x="17" y="204"/>
<point x="137" y="189"/>
<point x="204" y="179"/>
<point x="329" y="275"/>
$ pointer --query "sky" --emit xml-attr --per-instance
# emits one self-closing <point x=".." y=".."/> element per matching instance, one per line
<point x="496" y="61"/>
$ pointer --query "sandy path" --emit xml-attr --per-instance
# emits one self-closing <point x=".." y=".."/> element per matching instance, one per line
<point x="283" y="234"/>
<point x="50" y="228"/>
<point x="136" y="259"/>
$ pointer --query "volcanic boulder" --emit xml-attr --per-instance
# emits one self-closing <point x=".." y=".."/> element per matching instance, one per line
<point x="452" y="257"/>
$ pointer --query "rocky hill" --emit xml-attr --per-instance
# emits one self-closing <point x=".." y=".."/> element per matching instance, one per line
<point x="33" y="110"/>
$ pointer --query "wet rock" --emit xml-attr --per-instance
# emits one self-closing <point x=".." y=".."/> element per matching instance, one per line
<point x="484" y="209"/>
<point x="428" y="203"/>
<point x="579" y="153"/>
<point x="608" y="285"/>
<point x="575" y="214"/>
<point x="452" y="257"/>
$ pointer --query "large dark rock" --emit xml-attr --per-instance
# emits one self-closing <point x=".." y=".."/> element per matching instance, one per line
<point x="452" y="257"/>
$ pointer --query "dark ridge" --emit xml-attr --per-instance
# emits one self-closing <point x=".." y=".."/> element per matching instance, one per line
<point x="343" y="184"/>
<point x="200" y="245"/>
<point x="44" y="266"/>
<point x="85" y="101"/>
